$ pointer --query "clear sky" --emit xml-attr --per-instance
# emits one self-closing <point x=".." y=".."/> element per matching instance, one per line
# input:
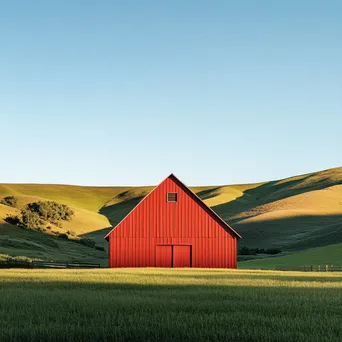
<point x="126" y="92"/>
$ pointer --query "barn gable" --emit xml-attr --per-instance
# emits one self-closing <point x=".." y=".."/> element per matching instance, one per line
<point x="157" y="217"/>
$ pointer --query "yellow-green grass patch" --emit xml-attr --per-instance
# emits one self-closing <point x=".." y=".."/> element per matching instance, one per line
<point x="169" y="304"/>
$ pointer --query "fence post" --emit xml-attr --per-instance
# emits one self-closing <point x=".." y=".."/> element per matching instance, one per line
<point x="319" y="268"/>
<point x="326" y="268"/>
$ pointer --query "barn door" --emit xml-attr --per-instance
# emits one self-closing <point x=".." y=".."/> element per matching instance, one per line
<point x="164" y="256"/>
<point x="181" y="256"/>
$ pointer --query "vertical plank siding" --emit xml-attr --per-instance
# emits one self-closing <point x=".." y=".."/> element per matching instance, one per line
<point x="155" y="221"/>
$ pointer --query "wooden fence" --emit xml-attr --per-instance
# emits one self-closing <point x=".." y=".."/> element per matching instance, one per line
<point x="311" y="268"/>
<point x="10" y="263"/>
<point x="46" y="264"/>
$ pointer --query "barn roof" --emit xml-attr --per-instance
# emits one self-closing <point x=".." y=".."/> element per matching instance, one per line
<point x="211" y="212"/>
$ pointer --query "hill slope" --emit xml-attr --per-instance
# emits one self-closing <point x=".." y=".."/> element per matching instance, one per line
<point x="294" y="214"/>
<point x="15" y="241"/>
<point x="327" y="255"/>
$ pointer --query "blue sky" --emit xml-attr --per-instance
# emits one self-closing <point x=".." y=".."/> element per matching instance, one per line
<point x="126" y="92"/>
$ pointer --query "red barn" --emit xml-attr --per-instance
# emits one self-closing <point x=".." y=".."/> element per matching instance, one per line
<point x="172" y="227"/>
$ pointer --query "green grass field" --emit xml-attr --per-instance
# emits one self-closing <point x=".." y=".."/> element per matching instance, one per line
<point x="169" y="304"/>
<point x="327" y="255"/>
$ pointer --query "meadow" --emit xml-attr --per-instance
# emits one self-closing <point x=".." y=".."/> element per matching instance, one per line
<point x="169" y="304"/>
<point x="328" y="255"/>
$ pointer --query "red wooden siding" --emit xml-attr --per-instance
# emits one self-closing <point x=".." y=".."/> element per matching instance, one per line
<point x="164" y="256"/>
<point x="165" y="234"/>
<point x="181" y="256"/>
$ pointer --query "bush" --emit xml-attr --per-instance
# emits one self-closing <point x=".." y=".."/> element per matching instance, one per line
<point x="10" y="201"/>
<point x="13" y="219"/>
<point x="63" y="236"/>
<point x="37" y="214"/>
<point x="245" y="251"/>
<point x="253" y="251"/>
<point x="273" y="251"/>
<point x="51" y="211"/>
<point x="31" y="219"/>
<point x="100" y="248"/>
<point x="20" y="258"/>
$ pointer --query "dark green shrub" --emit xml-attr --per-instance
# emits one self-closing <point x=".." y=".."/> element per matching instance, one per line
<point x="273" y="251"/>
<point x="10" y="201"/>
<point x="245" y="251"/>
<point x="100" y="248"/>
<point x="260" y="251"/>
<point x="12" y="219"/>
<point x="254" y="251"/>
<point x="51" y="211"/>
<point x="37" y="214"/>
<point x="30" y="219"/>
<point x="20" y="258"/>
<point x="63" y="236"/>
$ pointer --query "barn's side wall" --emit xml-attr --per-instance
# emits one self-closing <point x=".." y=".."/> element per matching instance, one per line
<point x="155" y="221"/>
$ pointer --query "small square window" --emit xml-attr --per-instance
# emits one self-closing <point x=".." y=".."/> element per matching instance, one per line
<point x="171" y="197"/>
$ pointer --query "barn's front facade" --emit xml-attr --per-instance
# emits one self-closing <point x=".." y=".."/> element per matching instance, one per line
<point x="172" y="227"/>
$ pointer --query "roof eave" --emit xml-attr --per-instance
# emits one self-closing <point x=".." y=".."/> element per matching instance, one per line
<point x="172" y="176"/>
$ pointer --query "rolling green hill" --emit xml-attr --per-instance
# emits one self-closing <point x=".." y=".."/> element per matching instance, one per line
<point x="15" y="241"/>
<point x="327" y="255"/>
<point x="293" y="214"/>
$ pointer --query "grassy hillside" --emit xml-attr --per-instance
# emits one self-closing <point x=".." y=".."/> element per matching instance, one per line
<point x="15" y="241"/>
<point x="330" y="255"/>
<point x="294" y="214"/>
<point x="86" y="197"/>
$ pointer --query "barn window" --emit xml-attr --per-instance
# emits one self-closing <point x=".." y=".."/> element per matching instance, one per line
<point x="171" y="197"/>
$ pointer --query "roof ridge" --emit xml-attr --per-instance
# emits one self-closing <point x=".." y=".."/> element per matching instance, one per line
<point x="195" y="198"/>
<point x="207" y="207"/>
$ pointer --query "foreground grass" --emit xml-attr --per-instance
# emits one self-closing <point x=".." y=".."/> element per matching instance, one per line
<point x="169" y="304"/>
